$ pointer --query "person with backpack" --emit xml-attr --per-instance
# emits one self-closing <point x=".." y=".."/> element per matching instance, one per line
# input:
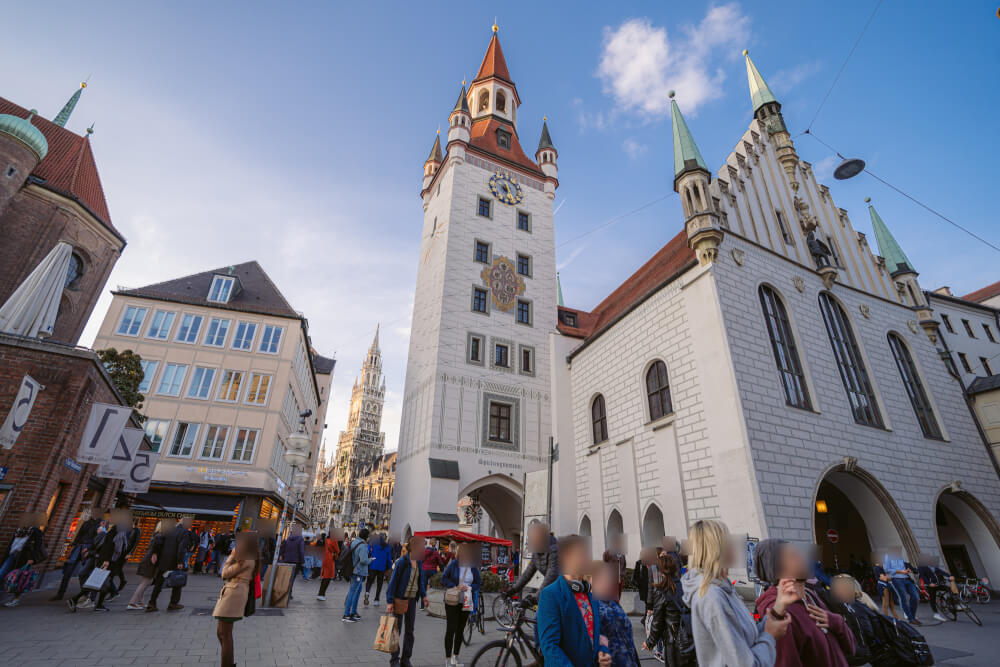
<point x="353" y="563"/>
<point x="818" y="637"/>
<point x="862" y="616"/>
<point x="670" y="619"/>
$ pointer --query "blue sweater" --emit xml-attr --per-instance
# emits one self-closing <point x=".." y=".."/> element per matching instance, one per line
<point x="450" y="579"/>
<point x="381" y="558"/>
<point x="562" y="633"/>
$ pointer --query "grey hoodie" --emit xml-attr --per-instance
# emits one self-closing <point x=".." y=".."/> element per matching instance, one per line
<point x="725" y="634"/>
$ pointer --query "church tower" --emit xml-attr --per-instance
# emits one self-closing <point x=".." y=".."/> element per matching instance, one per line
<point x="362" y="442"/>
<point x="691" y="181"/>
<point x="475" y="413"/>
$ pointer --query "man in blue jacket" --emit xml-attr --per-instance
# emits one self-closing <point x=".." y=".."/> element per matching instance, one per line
<point x="569" y="622"/>
<point x="406" y="586"/>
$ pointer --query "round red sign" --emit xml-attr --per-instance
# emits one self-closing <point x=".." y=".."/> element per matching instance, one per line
<point x="833" y="536"/>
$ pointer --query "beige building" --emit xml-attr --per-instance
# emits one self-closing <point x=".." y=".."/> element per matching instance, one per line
<point x="228" y="368"/>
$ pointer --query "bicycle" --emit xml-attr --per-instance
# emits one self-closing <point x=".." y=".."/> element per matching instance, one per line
<point x="974" y="589"/>
<point x="949" y="604"/>
<point x="476" y="620"/>
<point x="507" y="652"/>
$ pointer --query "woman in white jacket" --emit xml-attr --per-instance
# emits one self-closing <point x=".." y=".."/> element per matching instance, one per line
<point x="725" y="634"/>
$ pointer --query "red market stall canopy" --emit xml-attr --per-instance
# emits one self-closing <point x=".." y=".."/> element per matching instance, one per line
<point x="462" y="536"/>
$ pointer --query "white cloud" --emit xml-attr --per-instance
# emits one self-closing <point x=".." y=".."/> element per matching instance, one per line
<point x="640" y="64"/>
<point x="823" y="170"/>
<point x="633" y="148"/>
<point x="787" y="80"/>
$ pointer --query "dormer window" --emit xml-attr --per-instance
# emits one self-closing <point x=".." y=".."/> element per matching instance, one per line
<point x="567" y="318"/>
<point x="503" y="139"/>
<point x="501" y="102"/>
<point x="222" y="289"/>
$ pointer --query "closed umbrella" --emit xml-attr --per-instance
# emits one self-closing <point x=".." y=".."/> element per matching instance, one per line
<point x="31" y="310"/>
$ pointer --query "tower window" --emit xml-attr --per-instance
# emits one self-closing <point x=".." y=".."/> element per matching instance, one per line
<point x="74" y="272"/>
<point x="479" y="300"/>
<point x="523" y="312"/>
<point x="523" y="221"/>
<point x="501" y="102"/>
<point x="482" y="252"/>
<point x="850" y="363"/>
<point x="484" y="207"/>
<point x="11" y="171"/>
<point x="475" y="344"/>
<point x="914" y="387"/>
<point x="524" y="265"/>
<point x="500" y="421"/>
<point x="527" y="360"/>
<point x="501" y="355"/>
<point x="484" y="100"/>
<point x="503" y="139"/>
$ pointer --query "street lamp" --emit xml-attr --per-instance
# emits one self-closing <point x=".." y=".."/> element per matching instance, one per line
<point x="297" y="447"/>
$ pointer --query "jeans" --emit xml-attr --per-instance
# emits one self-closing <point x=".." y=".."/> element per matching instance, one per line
<point x="424" y="576"/>
<point x="909" y="596"/>
<point x="354" y="594"/>
<point x="375" y="576"/>
<point x="405" y="624"/>
<point x="213" y="567"/>
<point x="67" y="570"/>
<point x="7" y="566"/>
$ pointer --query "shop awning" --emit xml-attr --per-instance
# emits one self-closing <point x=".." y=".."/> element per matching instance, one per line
<point x="462" y="536"/>
<point x="198" y="505"/>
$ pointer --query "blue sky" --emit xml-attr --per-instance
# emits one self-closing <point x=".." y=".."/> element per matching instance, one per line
<point x="294" y="133"/>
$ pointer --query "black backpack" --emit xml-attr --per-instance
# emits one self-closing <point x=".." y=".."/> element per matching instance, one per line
<point x="866" y="643"/>
<point x="345" y="561"/>
<point x="905" y="645"/>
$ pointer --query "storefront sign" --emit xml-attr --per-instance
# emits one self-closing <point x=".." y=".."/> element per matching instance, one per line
<point x="124" y="454"/>
<point x="141" y="472"/>
<point x="72" y="465"/>
<point x="103" y="430"/>
<point x="19" y="412"/>
<point x="216" y="474"/>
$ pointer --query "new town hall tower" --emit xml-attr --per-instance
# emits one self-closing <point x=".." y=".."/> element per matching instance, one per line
<point x="476" y="408"/>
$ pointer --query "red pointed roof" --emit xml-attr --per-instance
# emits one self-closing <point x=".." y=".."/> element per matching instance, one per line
<point x="69" y="167"/>
<point x="983" y="293"/>
<point x="484" y="137"/>
<point x="494" y="63"/>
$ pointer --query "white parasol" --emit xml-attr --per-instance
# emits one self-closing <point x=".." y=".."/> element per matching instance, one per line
<point x="31" y="310"/>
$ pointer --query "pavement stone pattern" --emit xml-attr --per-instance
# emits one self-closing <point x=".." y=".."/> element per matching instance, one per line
<point x="308" y="632"/>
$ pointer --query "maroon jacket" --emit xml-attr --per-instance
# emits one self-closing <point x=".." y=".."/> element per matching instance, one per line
<point x="806" y="644"/>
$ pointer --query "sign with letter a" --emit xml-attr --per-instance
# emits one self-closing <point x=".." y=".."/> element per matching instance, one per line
<point x="141" y="472"/>
<point x="19" y="411"/>
<point x="103" y="430"/>
<point x="121" y="459"/>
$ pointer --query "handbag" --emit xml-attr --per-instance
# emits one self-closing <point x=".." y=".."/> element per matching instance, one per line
<point x="256" y="586"/>
<point x="98" y="580"/>
<point x="21" y="581"/>
<point x="175" y="579"/>
<point x="400" y="606"/>
<point x="453" y="596"/>
<point x="387" y="637"/>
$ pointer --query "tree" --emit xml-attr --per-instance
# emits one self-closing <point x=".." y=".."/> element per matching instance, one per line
<point x="125" y="369"/>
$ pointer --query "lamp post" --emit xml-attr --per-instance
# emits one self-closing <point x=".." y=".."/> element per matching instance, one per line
<point x="296" y="455"/>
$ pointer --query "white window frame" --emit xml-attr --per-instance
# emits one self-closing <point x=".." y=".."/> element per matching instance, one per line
<point x="162" y="333"/>
<point x="132" y="324"/>
<point x="173" y="378"/>
<point x="270" y="339"/>
<point x="253" y="452"/>
<point x="212" y="321"/>
<point x="250" y="389"/>
<point x="248" y="342"/>
<point x="228" y="385"/>
<point x="161" y="425"/>
<point x="146" y="363"/>
<point x="193" y="439"/>
<point x="201" y="384"/>
<point x="215" y="441"/>
<point x="197" y="332"/>
<point x="228" y="281"/>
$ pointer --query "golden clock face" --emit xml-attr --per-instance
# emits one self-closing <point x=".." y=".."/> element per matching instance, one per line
<point x="506" y="189"/>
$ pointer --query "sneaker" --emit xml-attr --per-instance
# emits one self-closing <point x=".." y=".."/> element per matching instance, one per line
<point x="151" y="607"/>
<point x="356" y="617"/>
<point x="939" y="617"/>
<point x="13" y="603"/>
<point x="366" y="599"/>
<point x="71" y="603"/>
<point x="134" y="607"/>
<point x="321" y="598"/>
<point x="101" y="608"/>
<point x="349" y="619"/>
<point x="174" y="607"/>
<point x="85" y="603"/>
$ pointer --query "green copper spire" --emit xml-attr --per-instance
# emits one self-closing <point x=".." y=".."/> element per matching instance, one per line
<point x="895" y="259"/>
<point x="559" y="287"/>
<point x="760" y="94"/>
<point x="463" y="102"/>
<point x="67" y="109"/>
<point x="545" y="141"/>
<point x="435" y="155"/>
<point x="687" y="157"/>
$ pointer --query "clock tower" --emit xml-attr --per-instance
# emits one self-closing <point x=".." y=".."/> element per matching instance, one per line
<point x="476" y="413"/>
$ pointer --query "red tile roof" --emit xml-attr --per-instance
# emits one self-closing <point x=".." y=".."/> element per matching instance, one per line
<point x="484" y="137"/>
<point x="494" y="63"/>
<point x="983" y="293"/>
<point x="69" y="166"/>
<point x="672" y="259"/>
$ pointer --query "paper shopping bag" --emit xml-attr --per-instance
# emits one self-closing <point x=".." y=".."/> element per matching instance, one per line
<point x="387" y="639"/>
<point x="95" y="581"/>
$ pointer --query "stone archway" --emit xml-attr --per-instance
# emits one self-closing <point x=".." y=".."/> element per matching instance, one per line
<point x="851" y="501"/>
<point x="968" y="535"/>
<point x="501" y="498"/>
<point x="653" y="530"/>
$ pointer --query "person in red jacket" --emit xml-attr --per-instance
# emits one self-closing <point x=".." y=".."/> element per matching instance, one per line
<point x="432" y="562"/>
<point x="817" y="637"/>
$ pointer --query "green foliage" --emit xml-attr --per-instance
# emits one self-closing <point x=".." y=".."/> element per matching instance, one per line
<point x="492" y="583"/>
<point x="125" y="369"/>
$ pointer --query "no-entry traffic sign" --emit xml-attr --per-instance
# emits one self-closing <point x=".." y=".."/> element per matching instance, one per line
<point x="833" y="536"/>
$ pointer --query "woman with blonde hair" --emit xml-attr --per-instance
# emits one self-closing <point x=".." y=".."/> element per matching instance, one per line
<point x="725" y="634"/>
<point x="238" y="576"/>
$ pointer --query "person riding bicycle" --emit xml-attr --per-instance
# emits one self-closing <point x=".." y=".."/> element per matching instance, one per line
<point x="544" y="559"/>
<point x="934" y="578"/>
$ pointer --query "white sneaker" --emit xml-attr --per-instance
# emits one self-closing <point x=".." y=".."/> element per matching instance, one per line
<point x="939" y="617"/>
<point x="321" y="597"/>
<point x="135" y="607"/>
<point x="13" y="603"/>
<point x="85" y="603"/>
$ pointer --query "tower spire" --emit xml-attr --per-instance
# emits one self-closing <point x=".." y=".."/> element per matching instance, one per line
<point x="463" y="101"/>
<point x="435" y="154"/>
<point x="67" y="109"/>
<point x="375" y="340"/>
<point x="895" y="259"/>
<point x="545" y="141"/>
<point x="687" y="157"/>
<point x="559" y="288"/>
<point x="760" y="93"/>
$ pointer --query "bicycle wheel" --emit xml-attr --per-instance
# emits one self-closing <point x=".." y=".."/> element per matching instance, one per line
<point x="965" y="594"/>
<point x="496" y="654"/>
<point x="946" y="605"/>
<point x="973" y="615"/>
<point x="467" y="633"/>
<point x="983" y="596"/>
<point x="503" y="611"/>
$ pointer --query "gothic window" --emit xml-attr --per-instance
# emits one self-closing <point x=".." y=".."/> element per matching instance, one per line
<point x="599" y="420"/>
<point x="482" y="252"/>
<point x="484" y="100"/>
<point x="914" y="387"/>
<point x="850" y="363"/>
<point x="658" y="391"/>
<point x="500" y="421"/>
<point x="786" y="354"/>
<point x="74" y="272"/>
<point x="501" y="102"/>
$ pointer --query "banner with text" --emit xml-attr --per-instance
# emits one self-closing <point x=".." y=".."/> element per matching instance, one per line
<point x="141" y="472"/>
<point x="19" y="411"/>
<point x="103" y="430"/>
<point x="122" y="458"/>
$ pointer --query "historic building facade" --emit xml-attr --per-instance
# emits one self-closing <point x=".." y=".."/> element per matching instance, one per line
<point x="766" y="368"/>
<point x="228" y="368"/>
<point x="476" y="404"/>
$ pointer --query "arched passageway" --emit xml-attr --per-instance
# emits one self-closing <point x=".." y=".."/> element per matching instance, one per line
<point x="500" y="497"/>
<point x="969" y="536"/>
<point x="863" y="516"/>
<point x="652" y="527"/>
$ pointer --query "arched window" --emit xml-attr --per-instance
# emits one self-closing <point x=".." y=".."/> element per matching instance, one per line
<point x="74" y="272"/>
<point x="585" y="526"/>
<point x="599" y="417"/>
<point x="501" y="102"/>
<point x="786" y="355"/>
<point x="852" y="367"/>
<point x="658" y="391"/>
<point x="484" y="100"/>
<point x="914" y="387"/>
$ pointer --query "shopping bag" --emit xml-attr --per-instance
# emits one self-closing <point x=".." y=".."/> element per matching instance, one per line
<point x="97" y="579"/>
<point x="387" y="639"/>
<point x="175" y="579"/>
<point x="256" y="586"/>
<point x="21" y="581"/>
